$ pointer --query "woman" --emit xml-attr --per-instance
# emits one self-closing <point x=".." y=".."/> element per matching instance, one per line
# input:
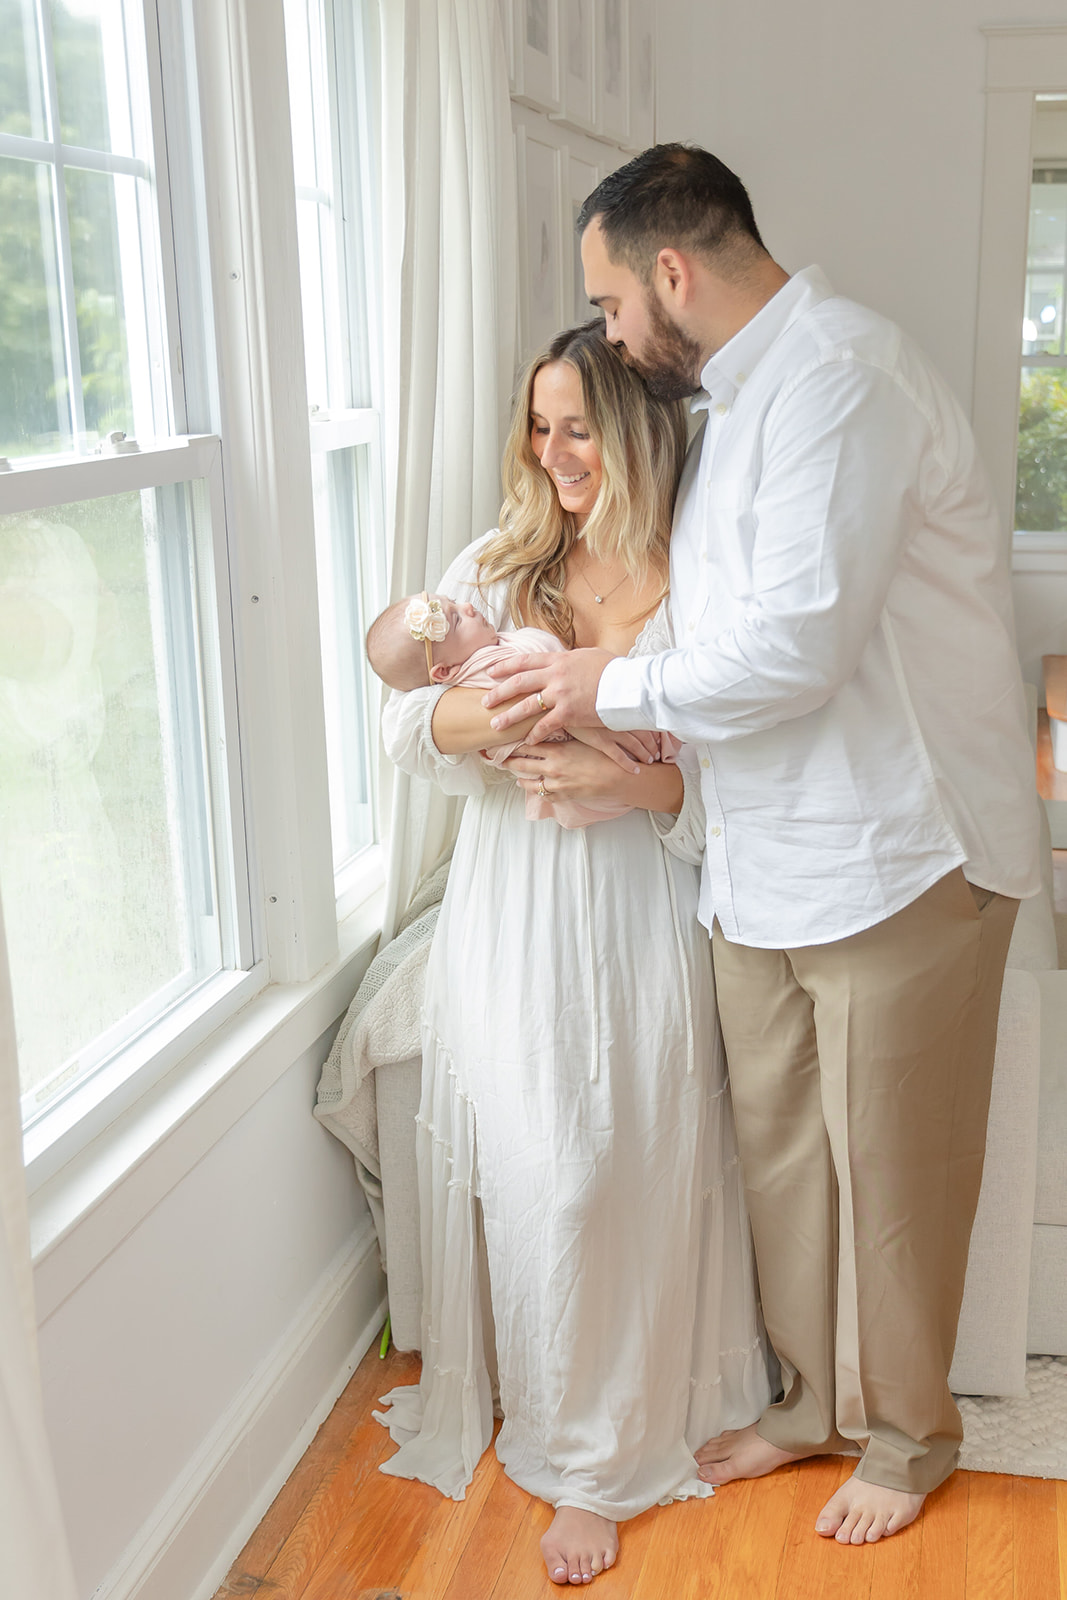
<point x="574" y="1136"/>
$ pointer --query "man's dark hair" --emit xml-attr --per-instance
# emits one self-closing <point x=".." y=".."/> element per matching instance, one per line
<point x="673" y="194"/>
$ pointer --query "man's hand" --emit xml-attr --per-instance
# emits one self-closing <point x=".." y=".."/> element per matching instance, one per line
<point x="562" y="686"/>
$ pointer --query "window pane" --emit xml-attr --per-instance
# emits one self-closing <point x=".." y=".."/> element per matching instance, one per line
<point x="89" y="43"/>
<point x="1043" y="327"/>
<point x="21" y="84"/>
<point x="106" y="865"/>
<point x="34" y="408"/>
<point x="341" y="508"/>
<point x="319" y="226"/>
<point x="93" y="202"/>
<point x="1048" y="219"/>
<point x="1041" y="490"/>
<point x="316" y="283"/>
<point x="1046" y="263"/>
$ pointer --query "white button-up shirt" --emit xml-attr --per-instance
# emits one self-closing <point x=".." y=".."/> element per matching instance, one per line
<point x="845" y="660"/>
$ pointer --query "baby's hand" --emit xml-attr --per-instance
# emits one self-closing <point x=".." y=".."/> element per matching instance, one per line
<point x="623" y="748"/>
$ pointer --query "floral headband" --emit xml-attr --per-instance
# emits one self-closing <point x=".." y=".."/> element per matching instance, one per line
<point x="427" y="623"/>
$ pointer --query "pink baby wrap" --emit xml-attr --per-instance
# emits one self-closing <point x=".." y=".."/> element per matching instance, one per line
<point x="474" y="674"/>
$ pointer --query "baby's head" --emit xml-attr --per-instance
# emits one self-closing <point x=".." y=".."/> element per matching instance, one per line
<point x="425" y="639"/>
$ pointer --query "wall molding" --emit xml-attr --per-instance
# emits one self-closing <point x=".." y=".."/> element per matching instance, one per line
<point x="187" y="1546"/>
<point x="85" y="1212"/>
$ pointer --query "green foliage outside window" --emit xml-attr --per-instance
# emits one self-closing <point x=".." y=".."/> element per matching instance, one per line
<point x="1041" y="482"/>
<point x="33" y="405"/>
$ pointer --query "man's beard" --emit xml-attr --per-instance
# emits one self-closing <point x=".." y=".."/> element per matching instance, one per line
<point x="672" y="362"/>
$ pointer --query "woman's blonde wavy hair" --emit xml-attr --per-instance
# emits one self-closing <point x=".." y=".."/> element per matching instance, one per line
<point x="641" y="442"/>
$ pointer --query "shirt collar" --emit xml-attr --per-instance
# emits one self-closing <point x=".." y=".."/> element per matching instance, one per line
<point x="725" y="371"/>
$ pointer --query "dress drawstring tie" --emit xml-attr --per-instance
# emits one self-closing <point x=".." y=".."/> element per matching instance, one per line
<point x="683" y="964"/>
<point x="594" y="998"/>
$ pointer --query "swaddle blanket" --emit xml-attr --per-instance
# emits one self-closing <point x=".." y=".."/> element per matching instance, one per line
<point x="474" y="674"/>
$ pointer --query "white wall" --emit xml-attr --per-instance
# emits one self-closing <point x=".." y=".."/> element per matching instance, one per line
<point x="858" y="129"/>
<point x="184" y="1375"/>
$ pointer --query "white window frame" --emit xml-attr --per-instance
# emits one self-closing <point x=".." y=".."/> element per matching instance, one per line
<point x="149" y="365"/>
<point x="94" y="1101"/>
<point x="239" y="376"/>
<point x="1021" y="63"/>
<point x="344" y="105"/>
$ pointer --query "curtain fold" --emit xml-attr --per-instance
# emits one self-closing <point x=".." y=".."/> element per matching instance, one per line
<point x="33" y="1544"/>
<point x="449" y="223"/>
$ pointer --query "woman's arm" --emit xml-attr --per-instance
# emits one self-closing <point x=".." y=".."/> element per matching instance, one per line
<point x="576" y="771"/>
<point x="461" y="724"/>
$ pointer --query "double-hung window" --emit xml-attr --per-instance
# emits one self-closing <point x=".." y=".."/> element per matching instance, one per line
<point x="143" y="853"/>
<point x="332" y="148"/>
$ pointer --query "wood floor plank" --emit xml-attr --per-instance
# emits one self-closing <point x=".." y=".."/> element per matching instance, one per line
<point x="340" y="1490"/>
<point x="523" y="1575"/>
<point x="434" y="1565"/>
<point x="761" y="1512"/>
<point x="897" y="1565"/>
<point x="943" y="1540"/>
<point x="813" y="1566"/>
<point x="686" y="1552"/>
<point x="491" y="1539"/>
<point x="318" y="1461"/>
<point x="316" y="1529"/>
<point x="990" y="1534"/>
<point x="1035" y="1539"/>
<point x="376" y="1541"/>
<point x="620" y="1581"/>
<point x="340" y="1530"/>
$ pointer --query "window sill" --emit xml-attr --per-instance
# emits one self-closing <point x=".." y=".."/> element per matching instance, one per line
<point x="82" y="1212"/>
<point x="1039" y="552"/>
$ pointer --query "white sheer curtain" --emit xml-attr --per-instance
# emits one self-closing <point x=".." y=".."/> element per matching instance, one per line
<point x="449" y="288"/>
<point x="33" y="1545"/>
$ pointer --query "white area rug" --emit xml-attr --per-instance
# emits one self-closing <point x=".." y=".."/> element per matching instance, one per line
<point x="1027" y="1438"/>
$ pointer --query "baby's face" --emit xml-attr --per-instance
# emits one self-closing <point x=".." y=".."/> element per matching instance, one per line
<point x="468" y="631"/>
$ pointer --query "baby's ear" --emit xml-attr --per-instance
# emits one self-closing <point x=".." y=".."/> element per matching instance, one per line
<point x="440" y="673"/>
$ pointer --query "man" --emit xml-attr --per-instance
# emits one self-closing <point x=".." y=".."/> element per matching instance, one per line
<point x="845" y="668"/>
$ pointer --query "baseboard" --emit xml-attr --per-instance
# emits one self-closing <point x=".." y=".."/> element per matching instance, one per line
<point x="187" y="1546"/>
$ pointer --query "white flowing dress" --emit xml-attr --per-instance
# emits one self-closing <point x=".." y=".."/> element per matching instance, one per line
<point x="575" y="1108"/>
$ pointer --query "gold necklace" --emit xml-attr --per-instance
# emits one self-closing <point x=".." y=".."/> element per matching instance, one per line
<point x="600" y="598"/>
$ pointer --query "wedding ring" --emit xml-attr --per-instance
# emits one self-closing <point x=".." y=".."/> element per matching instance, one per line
<point x="541" y="701"/>
<point x="541" y="788"/>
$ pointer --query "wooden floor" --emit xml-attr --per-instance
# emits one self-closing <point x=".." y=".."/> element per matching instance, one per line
<point x="341" y="1530"/>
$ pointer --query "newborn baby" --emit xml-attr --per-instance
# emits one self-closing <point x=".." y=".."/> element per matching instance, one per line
<point x="428" y="638"/>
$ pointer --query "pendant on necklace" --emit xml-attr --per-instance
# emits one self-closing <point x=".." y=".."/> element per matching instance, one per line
<point x="599" y="598"/>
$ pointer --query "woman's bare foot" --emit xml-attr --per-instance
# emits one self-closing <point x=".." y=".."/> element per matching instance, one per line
<point x="578" y="1545"/>
<point x="740" y="1454"/>
<point x="863" y="1513"/>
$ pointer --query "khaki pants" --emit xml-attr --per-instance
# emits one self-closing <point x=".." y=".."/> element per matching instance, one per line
<point x="860" y="1072"/>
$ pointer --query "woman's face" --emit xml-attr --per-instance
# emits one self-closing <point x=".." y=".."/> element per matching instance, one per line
<point x="560" y="439"/>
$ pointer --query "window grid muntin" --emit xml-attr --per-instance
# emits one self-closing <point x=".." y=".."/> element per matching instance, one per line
<point x="348" y="537"/>
<point x="139" y="256"/>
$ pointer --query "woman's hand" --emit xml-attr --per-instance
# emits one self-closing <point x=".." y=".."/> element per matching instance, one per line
<point x="575" y="771"/>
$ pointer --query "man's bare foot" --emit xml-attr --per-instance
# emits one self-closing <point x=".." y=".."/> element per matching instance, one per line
<point x="739" y="1454"/>
<point x="863" y="1513"/>
<point x="578" y="1545"/>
